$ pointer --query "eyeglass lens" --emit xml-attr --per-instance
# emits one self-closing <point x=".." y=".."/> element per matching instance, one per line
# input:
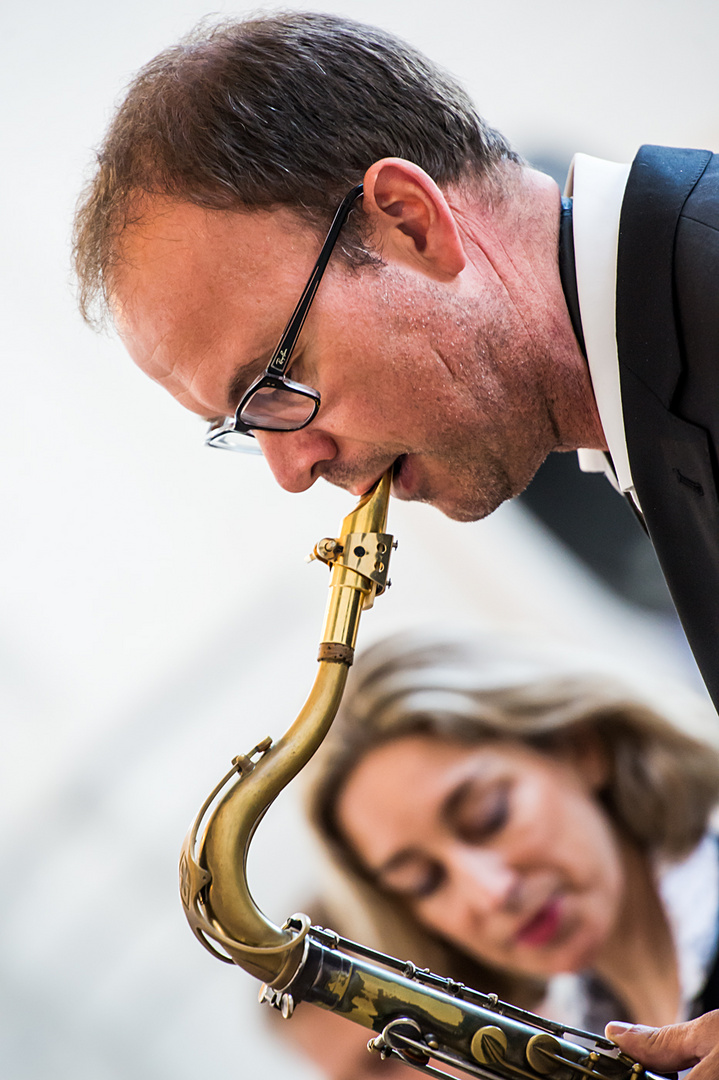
<point x="277" y="408"/>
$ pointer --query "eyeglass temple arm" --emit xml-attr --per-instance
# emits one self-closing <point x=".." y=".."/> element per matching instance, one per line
<point x="294" y="326"/>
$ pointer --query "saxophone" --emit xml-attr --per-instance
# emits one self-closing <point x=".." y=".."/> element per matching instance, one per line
<point x="415" y="1015"/>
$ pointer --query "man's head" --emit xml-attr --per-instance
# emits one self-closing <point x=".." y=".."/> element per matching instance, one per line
<point x="429" y="339"/>
<point x="283" y="111"/>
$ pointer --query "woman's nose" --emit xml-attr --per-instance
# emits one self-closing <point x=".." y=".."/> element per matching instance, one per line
<point x="296" y="457"/>
<point x="485" y="880"/>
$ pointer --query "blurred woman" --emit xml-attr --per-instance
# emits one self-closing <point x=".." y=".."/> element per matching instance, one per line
<point x="545" y="824"/>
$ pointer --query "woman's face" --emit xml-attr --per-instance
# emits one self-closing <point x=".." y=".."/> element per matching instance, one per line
<point x="502" y="849"/>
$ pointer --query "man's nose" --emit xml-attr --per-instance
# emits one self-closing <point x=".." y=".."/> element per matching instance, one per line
<point x="296" y="457"/>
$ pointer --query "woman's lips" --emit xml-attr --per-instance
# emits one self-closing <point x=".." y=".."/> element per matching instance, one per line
<point x="543" y="927"/>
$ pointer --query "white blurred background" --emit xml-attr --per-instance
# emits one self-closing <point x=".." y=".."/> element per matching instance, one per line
<point x="157" y="613"/>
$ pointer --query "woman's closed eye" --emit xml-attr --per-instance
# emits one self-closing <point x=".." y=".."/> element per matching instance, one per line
<point x="476" y="813"/>
<point x="412" y="875"/>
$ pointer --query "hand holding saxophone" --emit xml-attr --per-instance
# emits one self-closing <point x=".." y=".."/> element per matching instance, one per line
<point x="693" y="1044"/>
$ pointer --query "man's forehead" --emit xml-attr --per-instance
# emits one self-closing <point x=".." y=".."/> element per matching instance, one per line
<point x="200" y="297"/>
<point x="166" y="237"/>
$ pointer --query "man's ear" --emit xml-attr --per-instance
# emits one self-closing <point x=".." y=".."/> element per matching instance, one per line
<point x="411" y="220"/>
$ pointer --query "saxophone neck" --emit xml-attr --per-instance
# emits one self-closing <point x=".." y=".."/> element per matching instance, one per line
<point x="359" y="561"/>
<point x="214" y="888"/>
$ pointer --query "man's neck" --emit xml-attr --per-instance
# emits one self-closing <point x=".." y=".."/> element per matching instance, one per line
<point x="519" y="238"/>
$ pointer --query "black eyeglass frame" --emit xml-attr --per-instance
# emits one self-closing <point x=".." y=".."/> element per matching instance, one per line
<point x="273" y="377"/>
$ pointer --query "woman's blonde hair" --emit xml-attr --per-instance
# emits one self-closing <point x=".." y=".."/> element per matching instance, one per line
<point x="662" y="782"/>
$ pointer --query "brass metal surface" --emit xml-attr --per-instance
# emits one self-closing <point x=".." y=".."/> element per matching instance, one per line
<point x="489" y="1044"/>
<point x="542" y="1053"/>
<point x="213" y="881"/>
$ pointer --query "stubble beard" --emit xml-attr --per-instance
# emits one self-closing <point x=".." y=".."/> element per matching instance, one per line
<point x="455" y="481"/>
<point x="492" y="459"/>
<point x="476" y="489"/>
<point x="489" y="446"/>
<point x="476" y="495"/>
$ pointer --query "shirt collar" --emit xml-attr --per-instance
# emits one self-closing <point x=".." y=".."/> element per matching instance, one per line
<point x="597" y="188"/>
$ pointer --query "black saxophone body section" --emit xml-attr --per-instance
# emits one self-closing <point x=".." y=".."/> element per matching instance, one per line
<point x="422" y="1017"/>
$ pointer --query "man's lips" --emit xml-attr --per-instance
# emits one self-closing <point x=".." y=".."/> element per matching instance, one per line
<point x="401" y="478"/>
<point x="398" y="464"/>
<point x="361" y="487"/>
<point x="544" y="925"/>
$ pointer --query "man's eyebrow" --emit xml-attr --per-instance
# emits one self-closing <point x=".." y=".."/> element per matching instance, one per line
<point x="245" y="376"/>
<point x="213" y="421"/>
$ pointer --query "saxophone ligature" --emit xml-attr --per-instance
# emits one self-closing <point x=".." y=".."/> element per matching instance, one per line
<point x="423" y="1019"/>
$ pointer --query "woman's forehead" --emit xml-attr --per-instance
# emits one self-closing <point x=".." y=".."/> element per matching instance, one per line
<point x="411" y="775"/>
<point x="419" y="748"/>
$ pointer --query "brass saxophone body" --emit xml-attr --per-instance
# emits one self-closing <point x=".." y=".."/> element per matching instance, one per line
<point x="415" y="1015"/>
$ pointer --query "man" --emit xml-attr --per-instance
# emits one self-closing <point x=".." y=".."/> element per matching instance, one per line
<point x="446" y="338"/>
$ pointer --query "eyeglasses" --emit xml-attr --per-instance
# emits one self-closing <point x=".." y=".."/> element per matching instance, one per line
<point x="273" y="402"/>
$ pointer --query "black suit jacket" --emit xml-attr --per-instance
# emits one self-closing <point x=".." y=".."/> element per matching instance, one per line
<point x="668" y="343"/>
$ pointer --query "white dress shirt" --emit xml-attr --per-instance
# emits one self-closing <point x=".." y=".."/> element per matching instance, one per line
<point x="597" y="189"/>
